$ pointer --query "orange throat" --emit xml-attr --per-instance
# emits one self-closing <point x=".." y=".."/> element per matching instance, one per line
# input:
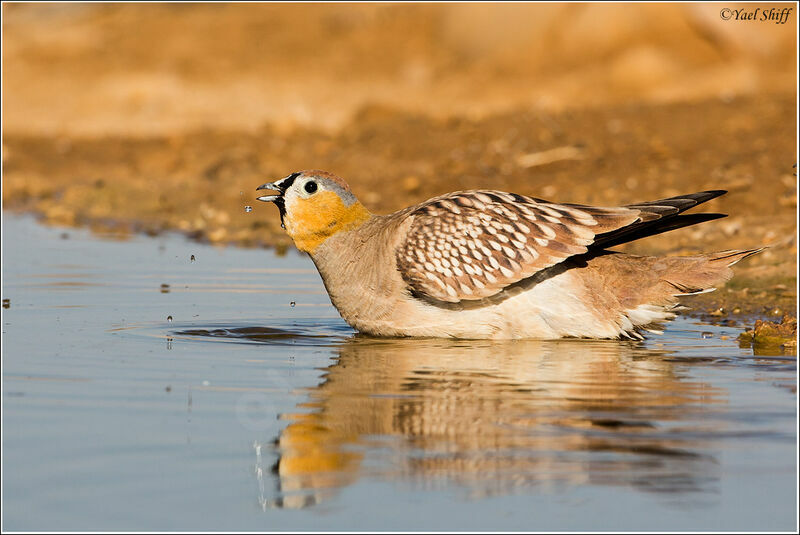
<point x="314" y="220"/>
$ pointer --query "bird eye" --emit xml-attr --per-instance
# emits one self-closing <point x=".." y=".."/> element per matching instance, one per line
<point x="310" y="187"/>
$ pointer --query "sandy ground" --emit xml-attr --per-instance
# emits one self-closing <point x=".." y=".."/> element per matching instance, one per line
<point x="161" y="68"/>
<point x="166" y="117"/>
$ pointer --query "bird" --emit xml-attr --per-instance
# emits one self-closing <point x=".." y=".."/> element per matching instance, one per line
<point x="487" y="264"/>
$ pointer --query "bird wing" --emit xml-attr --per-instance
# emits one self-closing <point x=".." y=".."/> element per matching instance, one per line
<point x="469" y="245"/>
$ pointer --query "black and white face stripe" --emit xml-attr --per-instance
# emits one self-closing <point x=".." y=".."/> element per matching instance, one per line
<point x="286" y="183"/>
<point x="281" y="186"/>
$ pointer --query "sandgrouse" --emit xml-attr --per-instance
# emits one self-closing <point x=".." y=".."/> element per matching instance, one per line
<point x="491" y="264"/>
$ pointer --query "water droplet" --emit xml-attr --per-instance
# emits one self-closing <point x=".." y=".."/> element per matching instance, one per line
<point x="6" y="303"/>
<point x="165" y="288"/>
<point x="248" y="209"/>
<point x="292" y="304"/>
<point x="206" y="383"/>
<point x="707" y="334"/>
<point x="169" y="318"/>
<point x="191" y="259"/>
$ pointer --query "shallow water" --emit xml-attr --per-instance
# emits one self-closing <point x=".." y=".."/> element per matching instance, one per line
<point x="244" y="412"/>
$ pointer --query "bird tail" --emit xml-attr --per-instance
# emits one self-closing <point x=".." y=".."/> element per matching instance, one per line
<point x="700" y="274"/>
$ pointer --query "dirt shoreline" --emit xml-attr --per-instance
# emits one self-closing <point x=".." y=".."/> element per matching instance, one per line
<point x="201" y="183"/>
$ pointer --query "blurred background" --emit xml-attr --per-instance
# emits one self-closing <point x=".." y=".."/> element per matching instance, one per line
<point x="158" y="69"/>
<point x="153" y="117"/>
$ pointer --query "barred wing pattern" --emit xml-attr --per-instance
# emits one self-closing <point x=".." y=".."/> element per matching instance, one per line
<point x="470" y="245"/>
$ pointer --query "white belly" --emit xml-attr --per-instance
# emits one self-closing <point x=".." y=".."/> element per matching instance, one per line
<point x="554" y="308"/>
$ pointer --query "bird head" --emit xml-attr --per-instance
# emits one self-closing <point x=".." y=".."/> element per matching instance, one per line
<point x="315" y="205"/>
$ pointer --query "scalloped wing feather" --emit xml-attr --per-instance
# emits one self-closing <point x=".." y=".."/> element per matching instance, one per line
<point x="469" y="245"/>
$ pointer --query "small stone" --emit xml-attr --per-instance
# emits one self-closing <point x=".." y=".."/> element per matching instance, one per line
<point x="281" y="249"/>
<point x="731" y="227"/>
<point x="411" y="184"/>
<point x="769" y="334"/>
<point x="217" y="235"/>
<point x="549" y="191"/>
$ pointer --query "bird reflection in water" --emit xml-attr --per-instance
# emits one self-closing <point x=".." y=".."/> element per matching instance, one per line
<point x="497" y="417"/>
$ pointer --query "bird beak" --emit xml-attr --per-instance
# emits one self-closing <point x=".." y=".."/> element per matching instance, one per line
<point x="279" y="185"/>
<point x="271" y="186"/>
